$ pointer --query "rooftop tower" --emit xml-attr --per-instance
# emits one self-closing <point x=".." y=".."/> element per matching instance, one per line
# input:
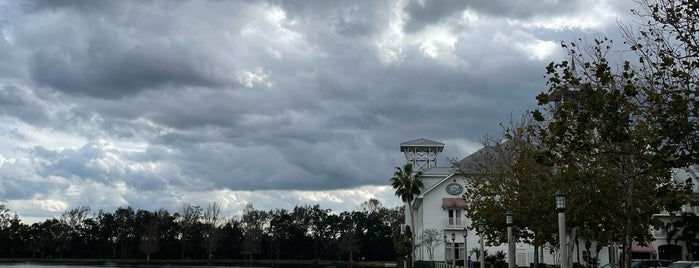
<point x="422" y="153"/>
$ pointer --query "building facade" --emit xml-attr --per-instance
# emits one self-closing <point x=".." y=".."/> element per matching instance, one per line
<point x="440" y="207"/>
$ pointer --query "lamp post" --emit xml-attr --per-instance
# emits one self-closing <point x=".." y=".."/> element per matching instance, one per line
<point x="453" y="256"/>
<point x="560" y="208"/>
<point x="510" y="240"/>
<point x="445" y="248"/>
<point x="481" y="257"/>
<point x="466" y="247"/>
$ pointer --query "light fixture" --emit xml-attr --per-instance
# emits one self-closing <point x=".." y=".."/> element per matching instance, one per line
<point x="560" y="200"/>
<point x="508" y="218"/>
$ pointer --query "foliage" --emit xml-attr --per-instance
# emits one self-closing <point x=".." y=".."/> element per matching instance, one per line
<point x="508" y="174"/>
<point x="615" y="131"/>
<point x="686" y="229"/>
<point x="408" y="185"/>
<point x="307" y="232"/>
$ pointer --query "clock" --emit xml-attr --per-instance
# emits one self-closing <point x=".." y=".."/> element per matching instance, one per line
<point x="454" y="188"/>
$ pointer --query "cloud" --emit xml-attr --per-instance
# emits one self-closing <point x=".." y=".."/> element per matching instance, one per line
<point x="153" y="104"/>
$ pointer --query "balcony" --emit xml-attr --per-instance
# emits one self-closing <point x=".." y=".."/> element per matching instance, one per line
<point x="454" y="223"/>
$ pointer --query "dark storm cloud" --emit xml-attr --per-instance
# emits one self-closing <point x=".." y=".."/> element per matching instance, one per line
<point x="423" y="13"/>
<point x="169" y="98"/>
<point x="119" y="49"/>
<point x="18" y="102"/>
<point x="351" y="19"/>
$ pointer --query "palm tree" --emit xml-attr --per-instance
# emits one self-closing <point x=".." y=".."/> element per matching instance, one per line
<point x="408" y="185"/>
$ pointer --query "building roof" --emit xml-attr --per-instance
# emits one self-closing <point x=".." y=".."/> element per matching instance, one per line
<point x="454" y="202"/>
<point x="443" y="171"/>
<point x="421" y="142"/>
<point x="473" y="163"/>
<point x="690" y="173"/>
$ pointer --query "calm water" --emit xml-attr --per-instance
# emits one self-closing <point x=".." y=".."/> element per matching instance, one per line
<point x="42" y="265"/>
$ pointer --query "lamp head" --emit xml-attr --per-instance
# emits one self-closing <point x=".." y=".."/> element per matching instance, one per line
<point x="560" y="201"/>
<point x="508" y="218"/>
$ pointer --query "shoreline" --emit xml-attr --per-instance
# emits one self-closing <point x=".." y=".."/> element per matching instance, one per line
<point x="200" y="262"/>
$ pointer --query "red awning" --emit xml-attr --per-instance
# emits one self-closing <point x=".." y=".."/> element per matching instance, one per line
<point x="644" y="248"/>
<point x="456" y="202"/>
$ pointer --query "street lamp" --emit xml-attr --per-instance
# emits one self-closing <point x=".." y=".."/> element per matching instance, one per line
<point x="445" y="248"/>
<point x="466" y="247"/>
<point x="560" y="208"/>
<point x="453" y="256"/>
<point x="510" y="241"/>
<point x="481" y="230"/>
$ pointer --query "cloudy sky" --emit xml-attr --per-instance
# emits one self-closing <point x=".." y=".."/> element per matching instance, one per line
<point x="276" y="103"/>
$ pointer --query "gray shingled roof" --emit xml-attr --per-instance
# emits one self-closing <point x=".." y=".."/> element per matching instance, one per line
<point x="470" y="163"/>
<point x="691" y="173"/>
<point x="439" y="171"/>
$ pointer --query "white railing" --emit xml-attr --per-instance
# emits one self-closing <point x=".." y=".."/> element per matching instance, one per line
<point x="454" y="223"/>
<point x="445" y="265"/>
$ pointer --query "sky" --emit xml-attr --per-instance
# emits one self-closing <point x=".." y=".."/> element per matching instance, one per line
<point x="154" y="104"/>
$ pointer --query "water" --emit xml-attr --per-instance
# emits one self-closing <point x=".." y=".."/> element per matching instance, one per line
<point x="44" y="265"/>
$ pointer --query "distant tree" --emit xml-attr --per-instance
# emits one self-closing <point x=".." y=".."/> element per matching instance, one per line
<point x="431" y="239"/>
<point x="212" y="223"/>
<point x="5" y="217"/>
<point x="408" y="185"/>
<point x="124" y="219"/>
<point x="371" y="205"/>
<point x="149" y="239"/>
<point x="253" y="223"/>
<point x="349" y="235"/>
<point x="188" y="218"/>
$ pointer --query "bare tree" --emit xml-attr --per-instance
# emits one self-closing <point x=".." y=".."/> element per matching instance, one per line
<point x="431" y="239"/>
<point x="212" y="224"/>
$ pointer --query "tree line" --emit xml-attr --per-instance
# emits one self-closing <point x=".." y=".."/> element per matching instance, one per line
<point x="193" y="232"/>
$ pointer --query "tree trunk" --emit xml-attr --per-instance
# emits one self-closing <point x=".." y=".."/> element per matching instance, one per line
<point x="412" y="233"/>
<point x="627" y="226"/>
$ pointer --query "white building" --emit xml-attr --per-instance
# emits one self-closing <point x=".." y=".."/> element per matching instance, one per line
<point x="441" y="207"/>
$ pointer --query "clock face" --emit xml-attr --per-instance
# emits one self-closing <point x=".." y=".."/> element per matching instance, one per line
<point x="454" y="188"/>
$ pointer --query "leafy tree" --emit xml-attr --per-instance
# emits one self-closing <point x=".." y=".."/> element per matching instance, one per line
<point x="686" y="229"/>
<point x="370" y="206"/>
<point x="609" y="156"/>
<point x="149" y="239"/>
<point x="253" y="224"/>
<point x="188" y="218"/>
<point x="408" y="185"/>
<point x="667" y="47"/>
<point x="124" y="219"/>
<point x="509" y="174"/>
<point x="349" y="240"/>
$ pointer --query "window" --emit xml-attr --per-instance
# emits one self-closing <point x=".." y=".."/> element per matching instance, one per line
<point x="454" y="217"/>
<point x="455" y="249"/>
